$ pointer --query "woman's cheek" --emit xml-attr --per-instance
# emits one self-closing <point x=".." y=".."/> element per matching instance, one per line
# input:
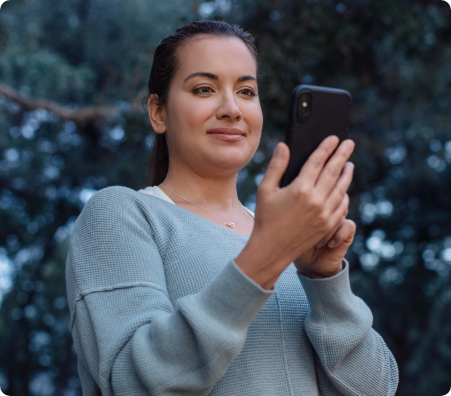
<point x="256" y="124"/>
<point x="255" y="115"/>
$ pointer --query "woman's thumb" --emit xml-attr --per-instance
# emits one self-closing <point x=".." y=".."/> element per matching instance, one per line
<point x="277" y="166"/>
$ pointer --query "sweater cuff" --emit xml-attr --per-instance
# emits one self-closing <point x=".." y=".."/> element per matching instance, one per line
<point x="232" y="297"/>
<point x="331" y="299"/>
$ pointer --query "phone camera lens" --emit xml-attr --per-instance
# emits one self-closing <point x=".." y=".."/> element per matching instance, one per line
<point x="305" y="105"/>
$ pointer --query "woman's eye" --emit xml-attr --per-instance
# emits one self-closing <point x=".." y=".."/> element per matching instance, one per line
<point x="248" y="92"/>
<point x="202" y="90"/>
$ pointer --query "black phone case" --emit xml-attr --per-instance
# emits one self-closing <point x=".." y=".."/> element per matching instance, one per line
<point x="329" y="115"/>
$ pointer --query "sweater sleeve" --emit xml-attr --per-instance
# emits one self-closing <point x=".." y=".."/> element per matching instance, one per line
<point x="129" y="338"/>
<point x="351" y="357"/>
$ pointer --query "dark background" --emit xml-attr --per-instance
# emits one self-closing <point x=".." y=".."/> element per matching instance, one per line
<point x="90" y="60"/>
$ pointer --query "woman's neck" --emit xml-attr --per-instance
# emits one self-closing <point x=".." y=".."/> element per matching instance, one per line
<point x="217" y="192"/>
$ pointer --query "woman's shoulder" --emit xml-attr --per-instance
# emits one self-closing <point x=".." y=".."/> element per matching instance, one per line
<point x="111" y="197"/>
<point x="117" y="201"/>
<point x="118" y="195"/>
<point x="121" y="210"/>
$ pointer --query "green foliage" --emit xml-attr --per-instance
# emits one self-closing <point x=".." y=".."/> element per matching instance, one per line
<point x="395" y="59"/>
<point x="77" y="53"/>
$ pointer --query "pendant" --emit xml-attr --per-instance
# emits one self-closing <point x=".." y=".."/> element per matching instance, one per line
<point x="231" y="225"/>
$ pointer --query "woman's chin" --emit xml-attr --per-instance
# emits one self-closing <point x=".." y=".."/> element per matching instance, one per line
<point x="230" y="162"/>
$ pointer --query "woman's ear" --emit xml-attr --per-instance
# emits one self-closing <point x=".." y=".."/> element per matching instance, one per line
<point x="156" y="114"/>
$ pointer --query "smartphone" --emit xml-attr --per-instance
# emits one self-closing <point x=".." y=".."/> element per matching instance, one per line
<point x="315" y="113"/>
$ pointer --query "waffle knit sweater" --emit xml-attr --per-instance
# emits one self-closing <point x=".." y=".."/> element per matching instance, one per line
<point x="159" y="307"/>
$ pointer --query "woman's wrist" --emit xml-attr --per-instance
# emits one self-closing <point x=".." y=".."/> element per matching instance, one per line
<point x="312" y="271"/>
<point x="258" y="261"/>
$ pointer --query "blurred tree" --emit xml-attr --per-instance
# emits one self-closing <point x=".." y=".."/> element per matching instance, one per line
<point x="92" y="59"/>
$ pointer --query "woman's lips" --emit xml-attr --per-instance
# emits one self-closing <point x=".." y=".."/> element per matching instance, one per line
<point x="229" y="138"/>
<point x="227" y="134"/>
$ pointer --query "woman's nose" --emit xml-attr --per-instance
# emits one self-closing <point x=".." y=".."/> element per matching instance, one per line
<point x="228" y="108"/>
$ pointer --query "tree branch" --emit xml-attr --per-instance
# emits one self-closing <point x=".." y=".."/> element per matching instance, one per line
<point x="79" y="116"/>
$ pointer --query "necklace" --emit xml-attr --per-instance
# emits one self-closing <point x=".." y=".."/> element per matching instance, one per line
<point x="231" y="225"/>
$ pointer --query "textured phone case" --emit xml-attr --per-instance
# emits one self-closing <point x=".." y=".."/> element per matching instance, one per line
<point x="329" y="115"/>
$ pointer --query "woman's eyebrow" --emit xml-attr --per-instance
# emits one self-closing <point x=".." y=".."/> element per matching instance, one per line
<point x="246" y="78"/>
<point x="215" y="77"/>
<point x="202" y="74"/>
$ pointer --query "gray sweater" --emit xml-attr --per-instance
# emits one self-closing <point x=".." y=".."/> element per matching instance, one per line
<point x="159" y="307"/>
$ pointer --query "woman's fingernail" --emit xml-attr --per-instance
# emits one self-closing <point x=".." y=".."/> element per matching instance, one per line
<point x="278" y="151"/>
<point x="331" y="244"/>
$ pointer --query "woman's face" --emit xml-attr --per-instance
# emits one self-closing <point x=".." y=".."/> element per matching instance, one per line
<point x="213" y="115"/>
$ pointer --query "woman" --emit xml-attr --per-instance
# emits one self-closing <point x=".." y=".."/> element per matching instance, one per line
<point x="176" y="289"/>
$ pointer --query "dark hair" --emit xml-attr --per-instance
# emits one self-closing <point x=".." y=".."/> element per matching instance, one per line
<point x="165" y="64"/>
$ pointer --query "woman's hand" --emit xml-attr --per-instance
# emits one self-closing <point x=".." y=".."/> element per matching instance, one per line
<point x="290" y="221"/>
<point x="326" y="258"/>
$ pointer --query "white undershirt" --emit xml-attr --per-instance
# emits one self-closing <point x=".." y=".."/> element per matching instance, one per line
<point x="158" y="192"/>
